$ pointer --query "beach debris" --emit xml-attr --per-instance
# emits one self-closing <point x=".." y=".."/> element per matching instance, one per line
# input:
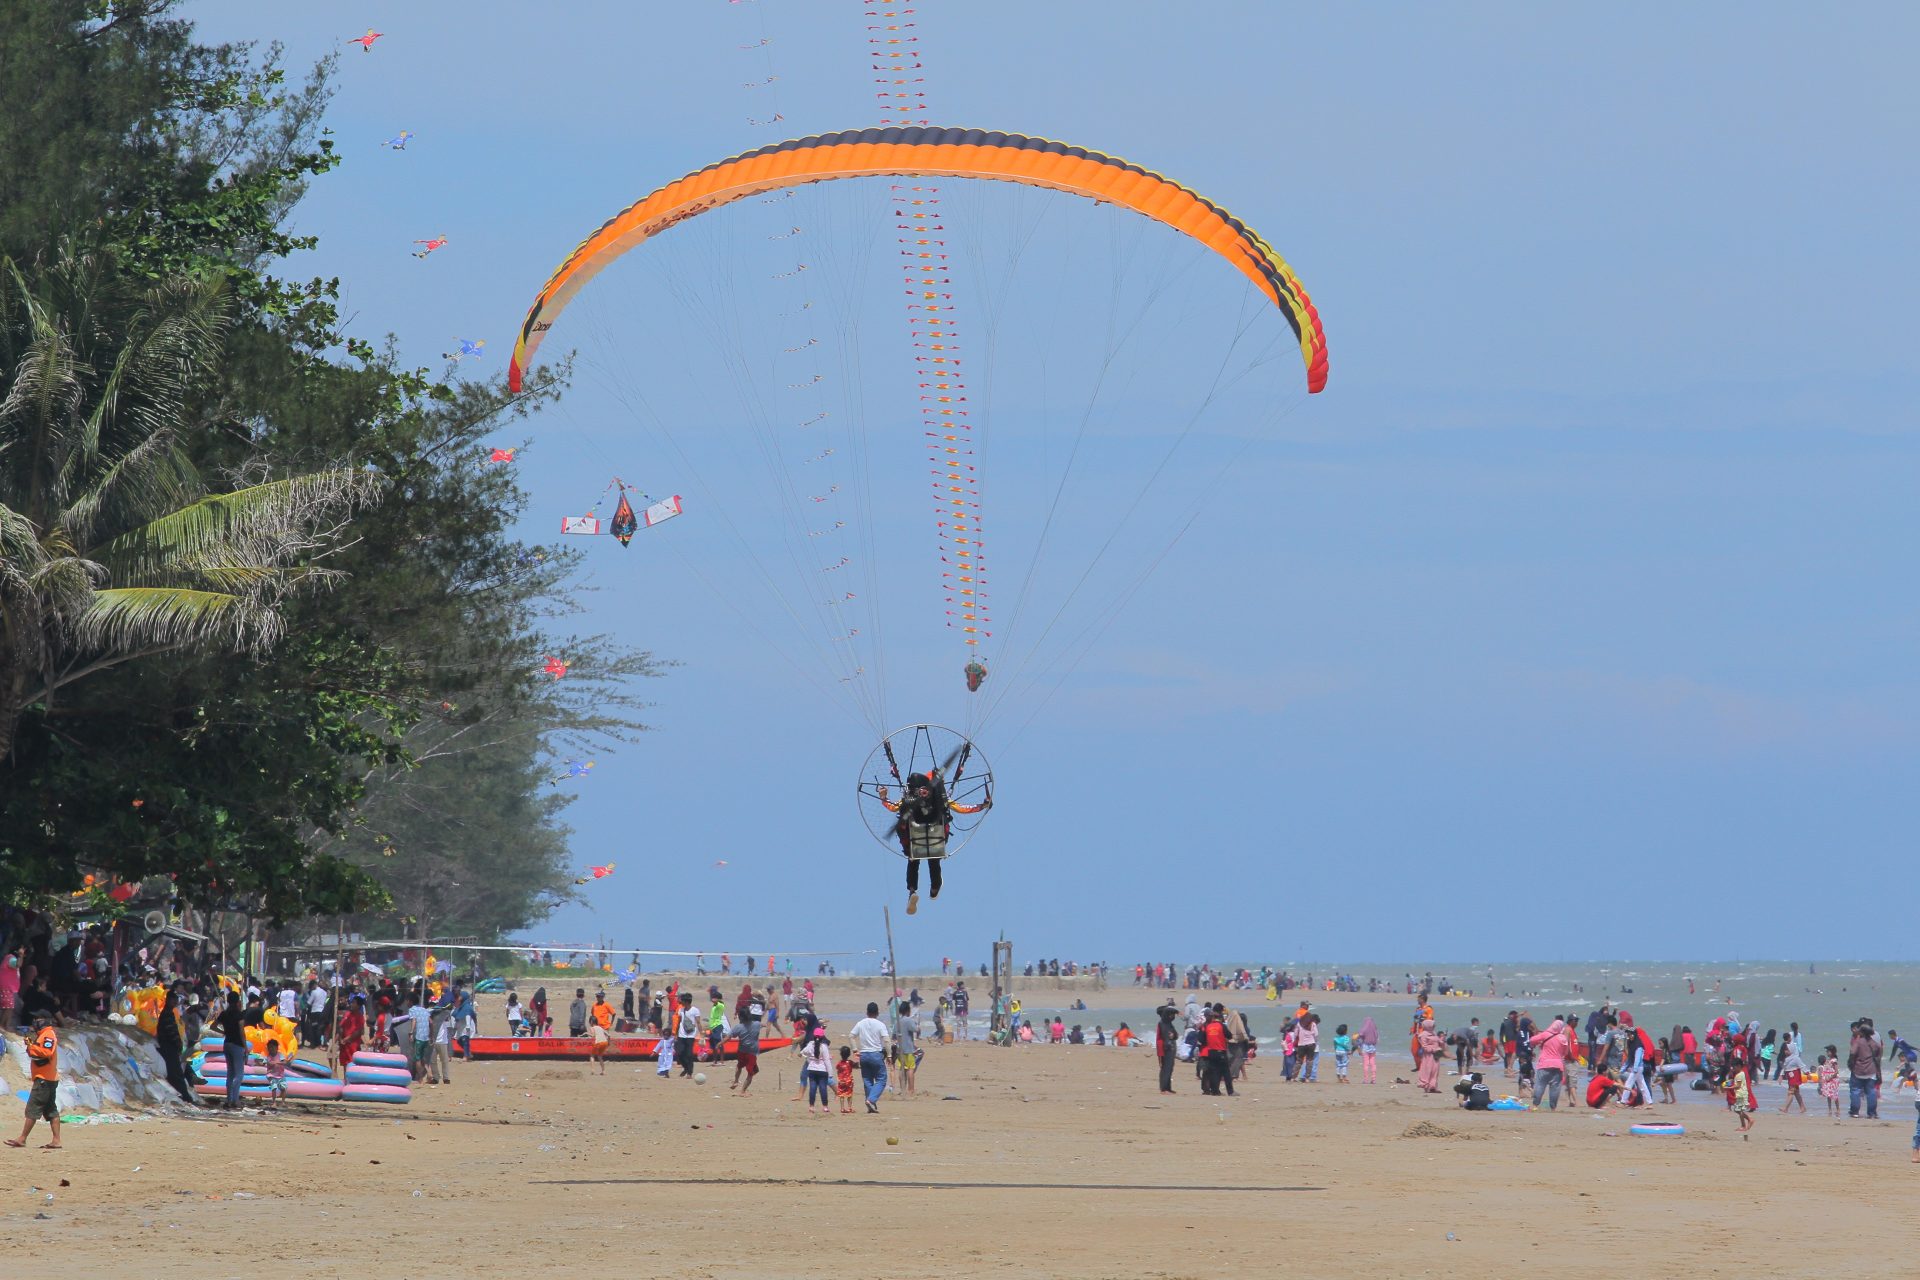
<point x="892" y="1141"/>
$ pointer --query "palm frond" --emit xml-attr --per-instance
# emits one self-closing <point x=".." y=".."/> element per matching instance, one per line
<point x="125" y="618"/>
<point x="272" y="524"/>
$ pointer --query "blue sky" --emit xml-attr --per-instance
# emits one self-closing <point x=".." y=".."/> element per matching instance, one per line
<point x="1593" y="569"/>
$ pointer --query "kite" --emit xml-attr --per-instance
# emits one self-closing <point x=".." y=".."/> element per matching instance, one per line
<point x="366" y="41"/>
<point x="575" y="769"/>
<point x="599" y="873"/>
<point x="398" y="141"/>
<point x="917" y="151"/>
<point x="555" y="667"/>
<point x="438" y="242"/>
<point x="720" y="862"/>
<point x="465" y="347"/>
<point x="976" y="673"/>
<point x="502" y="455"/>
<point x="625" y="522"/>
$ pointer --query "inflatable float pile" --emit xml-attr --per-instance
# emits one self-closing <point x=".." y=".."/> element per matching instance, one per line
<point x="371" y="1077"/>
<point x="378" y="1077"/>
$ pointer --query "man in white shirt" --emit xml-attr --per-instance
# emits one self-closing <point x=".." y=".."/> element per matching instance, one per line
<point x="316" y="1014"/>
<point x="289" y="1002"/>
<point x="686" y="1028"/>
<point x="870" y="1041"/>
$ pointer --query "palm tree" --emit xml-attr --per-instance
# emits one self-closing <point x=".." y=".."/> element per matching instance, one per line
<point x="113" y="546"/>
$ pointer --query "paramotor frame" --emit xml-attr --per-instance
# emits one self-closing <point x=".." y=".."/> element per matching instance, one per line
<point x="925" y="748"/>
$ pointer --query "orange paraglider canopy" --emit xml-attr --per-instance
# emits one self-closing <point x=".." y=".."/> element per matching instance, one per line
<point x="932" y="152"/>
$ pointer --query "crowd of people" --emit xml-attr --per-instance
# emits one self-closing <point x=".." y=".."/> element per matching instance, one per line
<point x="1267" y="978"/>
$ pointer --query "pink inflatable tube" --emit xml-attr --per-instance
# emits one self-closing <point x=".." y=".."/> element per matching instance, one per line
<point x="311" y="1090"/>
<point x="357" y="1074"/>
<point x="368" y="1059"/>
<point x="218" y="1089"/>
<point x="375" y="1093"/>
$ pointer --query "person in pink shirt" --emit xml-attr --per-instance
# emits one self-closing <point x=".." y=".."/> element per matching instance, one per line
<point x="10" y="987"/>
<point x="1549" y="1063"/>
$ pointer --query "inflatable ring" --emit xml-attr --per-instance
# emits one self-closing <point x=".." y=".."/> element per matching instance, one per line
<point x="368" y="1059"/>
<point x="308" y="1067"/>
<point x="313" y="1090"/>
<point x="375" y="1093"/>
<point x="219" y="1090"/>
<point x="359" y="1074"/>
<point x="1659" y="1130"/>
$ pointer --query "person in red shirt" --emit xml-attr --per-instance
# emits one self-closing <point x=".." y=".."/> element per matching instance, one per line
<point x="1602" y="1089"/>
<point x="1215" y="1051"/>
<point x="43" y="1049"/>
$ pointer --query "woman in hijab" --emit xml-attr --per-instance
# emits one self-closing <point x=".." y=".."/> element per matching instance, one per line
<point x="1431" y="1046"/>
<point x="1368" y="1042"/>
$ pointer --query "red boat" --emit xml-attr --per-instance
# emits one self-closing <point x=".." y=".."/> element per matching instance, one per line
<point x="547" y="1047"/>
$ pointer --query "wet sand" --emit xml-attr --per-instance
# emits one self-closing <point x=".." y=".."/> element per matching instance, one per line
<point x="1038" y="1160"/>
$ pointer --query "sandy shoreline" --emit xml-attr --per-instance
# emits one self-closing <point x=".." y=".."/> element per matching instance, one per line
<point x="1055" y="1161"/>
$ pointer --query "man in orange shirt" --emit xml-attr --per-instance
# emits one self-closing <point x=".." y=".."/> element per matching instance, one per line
<point x="43" y="1048"/>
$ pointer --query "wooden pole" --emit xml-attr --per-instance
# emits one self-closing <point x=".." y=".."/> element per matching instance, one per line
<point x="893" y="966"/>
<point x="338" y="988"/>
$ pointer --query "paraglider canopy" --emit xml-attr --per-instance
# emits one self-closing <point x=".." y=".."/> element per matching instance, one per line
<point x="915" y="152"/>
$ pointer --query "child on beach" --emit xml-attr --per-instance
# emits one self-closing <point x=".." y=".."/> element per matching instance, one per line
<point x="516" y="1016"/>
<point x="600" y="1040"/>
<point x="1342" y="1049"/>
<point x="1662" y="1076"/>
<point x="276" y="1073"/>
<point x="1793" y="1071"/>
<point x="843" y="1080"/>
<point x="1740" y="1094"/>
<point x="816" y="1071"/>
<point x="1830" y="1081"/>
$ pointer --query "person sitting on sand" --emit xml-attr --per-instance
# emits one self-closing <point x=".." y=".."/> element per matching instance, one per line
<point x="1603" y="1088"/>
<point x="1474" y="1094"/>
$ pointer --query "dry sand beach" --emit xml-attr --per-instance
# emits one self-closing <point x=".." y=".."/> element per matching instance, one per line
<point x="1055" y="1161"/>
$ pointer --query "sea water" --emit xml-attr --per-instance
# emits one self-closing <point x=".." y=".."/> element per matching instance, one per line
<point x="1825" y="1002"/>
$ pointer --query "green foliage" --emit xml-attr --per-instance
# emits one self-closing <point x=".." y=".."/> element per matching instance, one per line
<point x="378" y="748"/>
